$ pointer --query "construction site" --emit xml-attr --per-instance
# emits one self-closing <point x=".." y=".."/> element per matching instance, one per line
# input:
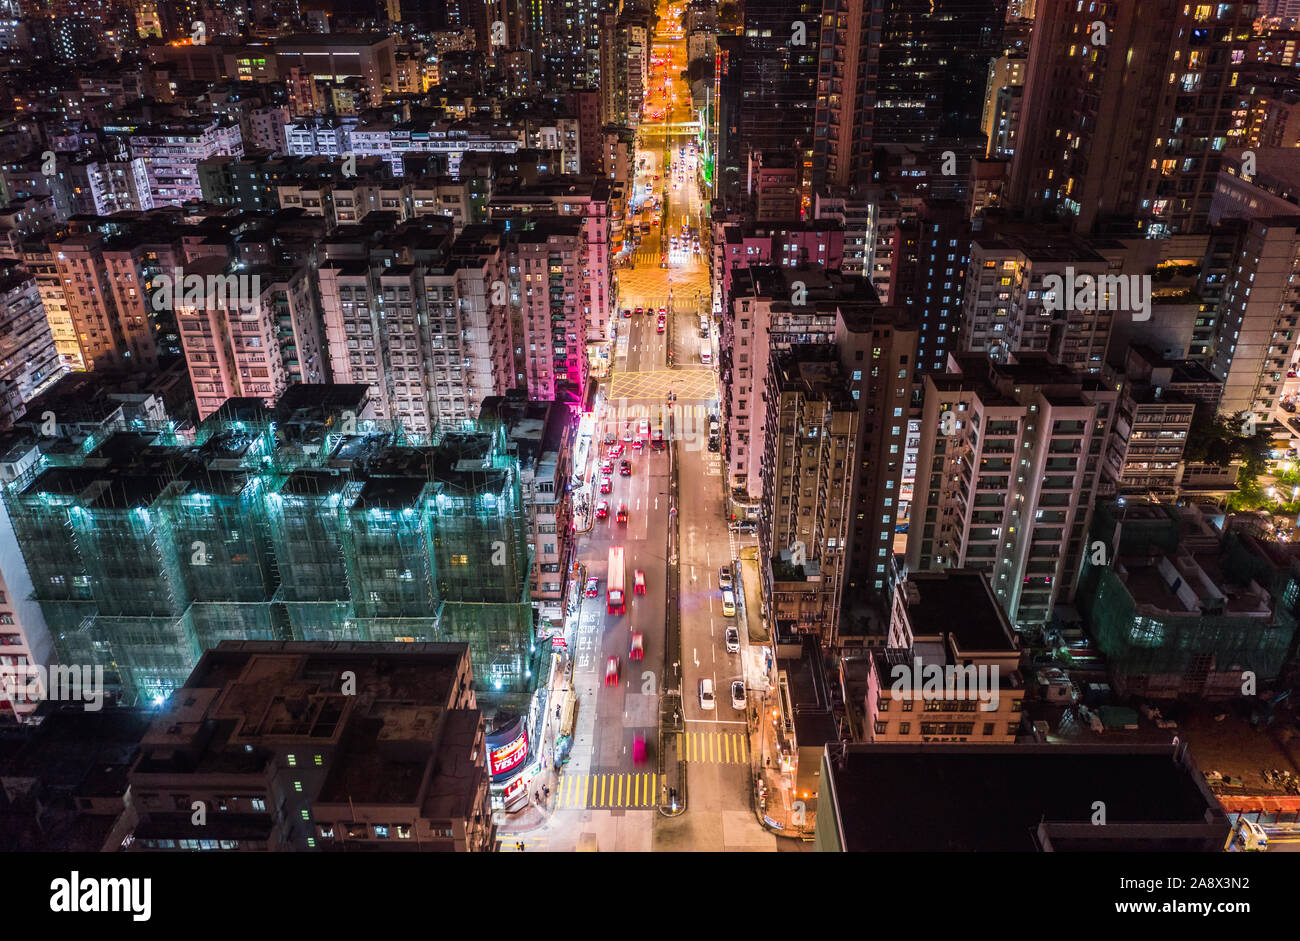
<point x="147" y="546"/>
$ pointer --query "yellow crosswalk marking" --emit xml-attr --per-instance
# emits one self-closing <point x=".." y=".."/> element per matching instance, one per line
<point x="607" y="791"/>
<point x="726" y="748"/>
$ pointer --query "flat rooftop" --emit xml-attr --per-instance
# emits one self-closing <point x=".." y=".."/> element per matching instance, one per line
<point x="992" y="798"/>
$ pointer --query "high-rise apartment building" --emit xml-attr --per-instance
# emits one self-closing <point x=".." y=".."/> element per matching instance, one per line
<point x="929" y="274"/>
<point x="899" y="72"/>
<point x="1010" y="461"/>
<point x="1256" y="336"/>
<point x="417" y="335"/>
<point x="105" y="293"/>
<point x="811" y="440"/>
<point x="776" y="99"/>
<point x="552" y="321"/>
<point x="1127" y="109"/>
<point x="29" y="360"/>
<point x="171" y="155"/>
<point x="779" y="309"/>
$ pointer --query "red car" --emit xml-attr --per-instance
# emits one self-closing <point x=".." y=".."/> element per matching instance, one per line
<point x="659" y="327"/>
<point x="593" y="587"/>
<point x="606" y="485"/>
<point x="638" y="647"/>
<point x="602" y="509"/>
<point x="638" y="311"/>
<point x="638" y="444"/>
<point x="607" y="467"/>
<point x="638" y="582"/>
<point x="625" y="469"/>
<point x="622" y="514"/>
<point x="612" y="672"/>
<point x="615" y="450"/>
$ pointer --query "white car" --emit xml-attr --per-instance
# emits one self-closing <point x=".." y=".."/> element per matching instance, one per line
<point x="738" y="695"/>
<point x="644" y="428"/>
<point x="728" y="604"/>
<point x="733" y="640"/>
<point x="706" y="694"/>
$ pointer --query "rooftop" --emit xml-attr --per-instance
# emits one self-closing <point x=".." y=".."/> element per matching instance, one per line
<point x="1000" y="798"/>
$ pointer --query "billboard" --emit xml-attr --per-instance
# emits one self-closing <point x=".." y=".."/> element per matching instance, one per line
<point x="507" y="748"/>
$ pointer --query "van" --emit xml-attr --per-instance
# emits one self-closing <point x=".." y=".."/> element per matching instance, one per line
<point x="729" y="603"/>
<point x="706" y="693"/>
<point x="706" y="353"/>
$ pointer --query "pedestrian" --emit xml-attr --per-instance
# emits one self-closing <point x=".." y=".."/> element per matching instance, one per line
<point x="546" y="790"/>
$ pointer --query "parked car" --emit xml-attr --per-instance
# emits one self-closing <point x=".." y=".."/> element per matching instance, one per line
<point x="593" y="587"/>
<point x="733" y="640"/>
<point x="725" y="582"/>
<point x="728" y="604"/>
<point x="738" y="695"/>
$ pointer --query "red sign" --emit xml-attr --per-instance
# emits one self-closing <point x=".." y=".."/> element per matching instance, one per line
<point x="508" y="757"/>
<point x="559" y="642"/>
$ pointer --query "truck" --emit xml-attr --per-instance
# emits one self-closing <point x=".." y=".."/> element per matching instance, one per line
<point x="616" y="583"/>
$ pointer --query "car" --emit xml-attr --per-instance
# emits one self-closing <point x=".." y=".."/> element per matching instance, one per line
<point x="902" y="528"/>
<point x="622" y="514"/>
<point x="725" y="582"/>
<point x="715" y="444"/>
<point x="738" y="695"/>
<point x="602" y="509"/>
<point x="612" y="670"/>
<point x="643" y="427"/>
<point x="627" y="434"/>
<point x="593" y="587"/>
<point x="638" y="444"/>
<point x="663" y="311"/>
<point x="728" y="604"/>
<point x="614" y="450"/>
<point x="625" y="468"/>
<point x="706" y="694"/>
<point x="626" y="312"/>
<point x="744" y="526"/>
<point x="733" y="640"/>
<point x="638" y="647"/>
<point x="606" y="485"/>
<point x="659" y="327"/>
<point x="638" y="311"/>
<point x="657" y="442"/>
<point x="610" y="439"/>
<point x="607" y="467"/>
<point x="638" y="748"/>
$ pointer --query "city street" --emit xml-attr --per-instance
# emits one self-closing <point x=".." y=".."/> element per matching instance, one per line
<point x="602" y="791"/>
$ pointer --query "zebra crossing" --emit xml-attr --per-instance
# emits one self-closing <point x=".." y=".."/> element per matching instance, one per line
<point x="579" y="791"/>
<point x="718" y="748"/>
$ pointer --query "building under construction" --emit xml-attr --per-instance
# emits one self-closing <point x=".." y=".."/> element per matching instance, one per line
<point x="1179" y="609"/>
<point x="303" y="522"/>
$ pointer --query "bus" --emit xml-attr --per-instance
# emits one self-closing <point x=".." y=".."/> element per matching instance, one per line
<point x="615" y="583"/>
